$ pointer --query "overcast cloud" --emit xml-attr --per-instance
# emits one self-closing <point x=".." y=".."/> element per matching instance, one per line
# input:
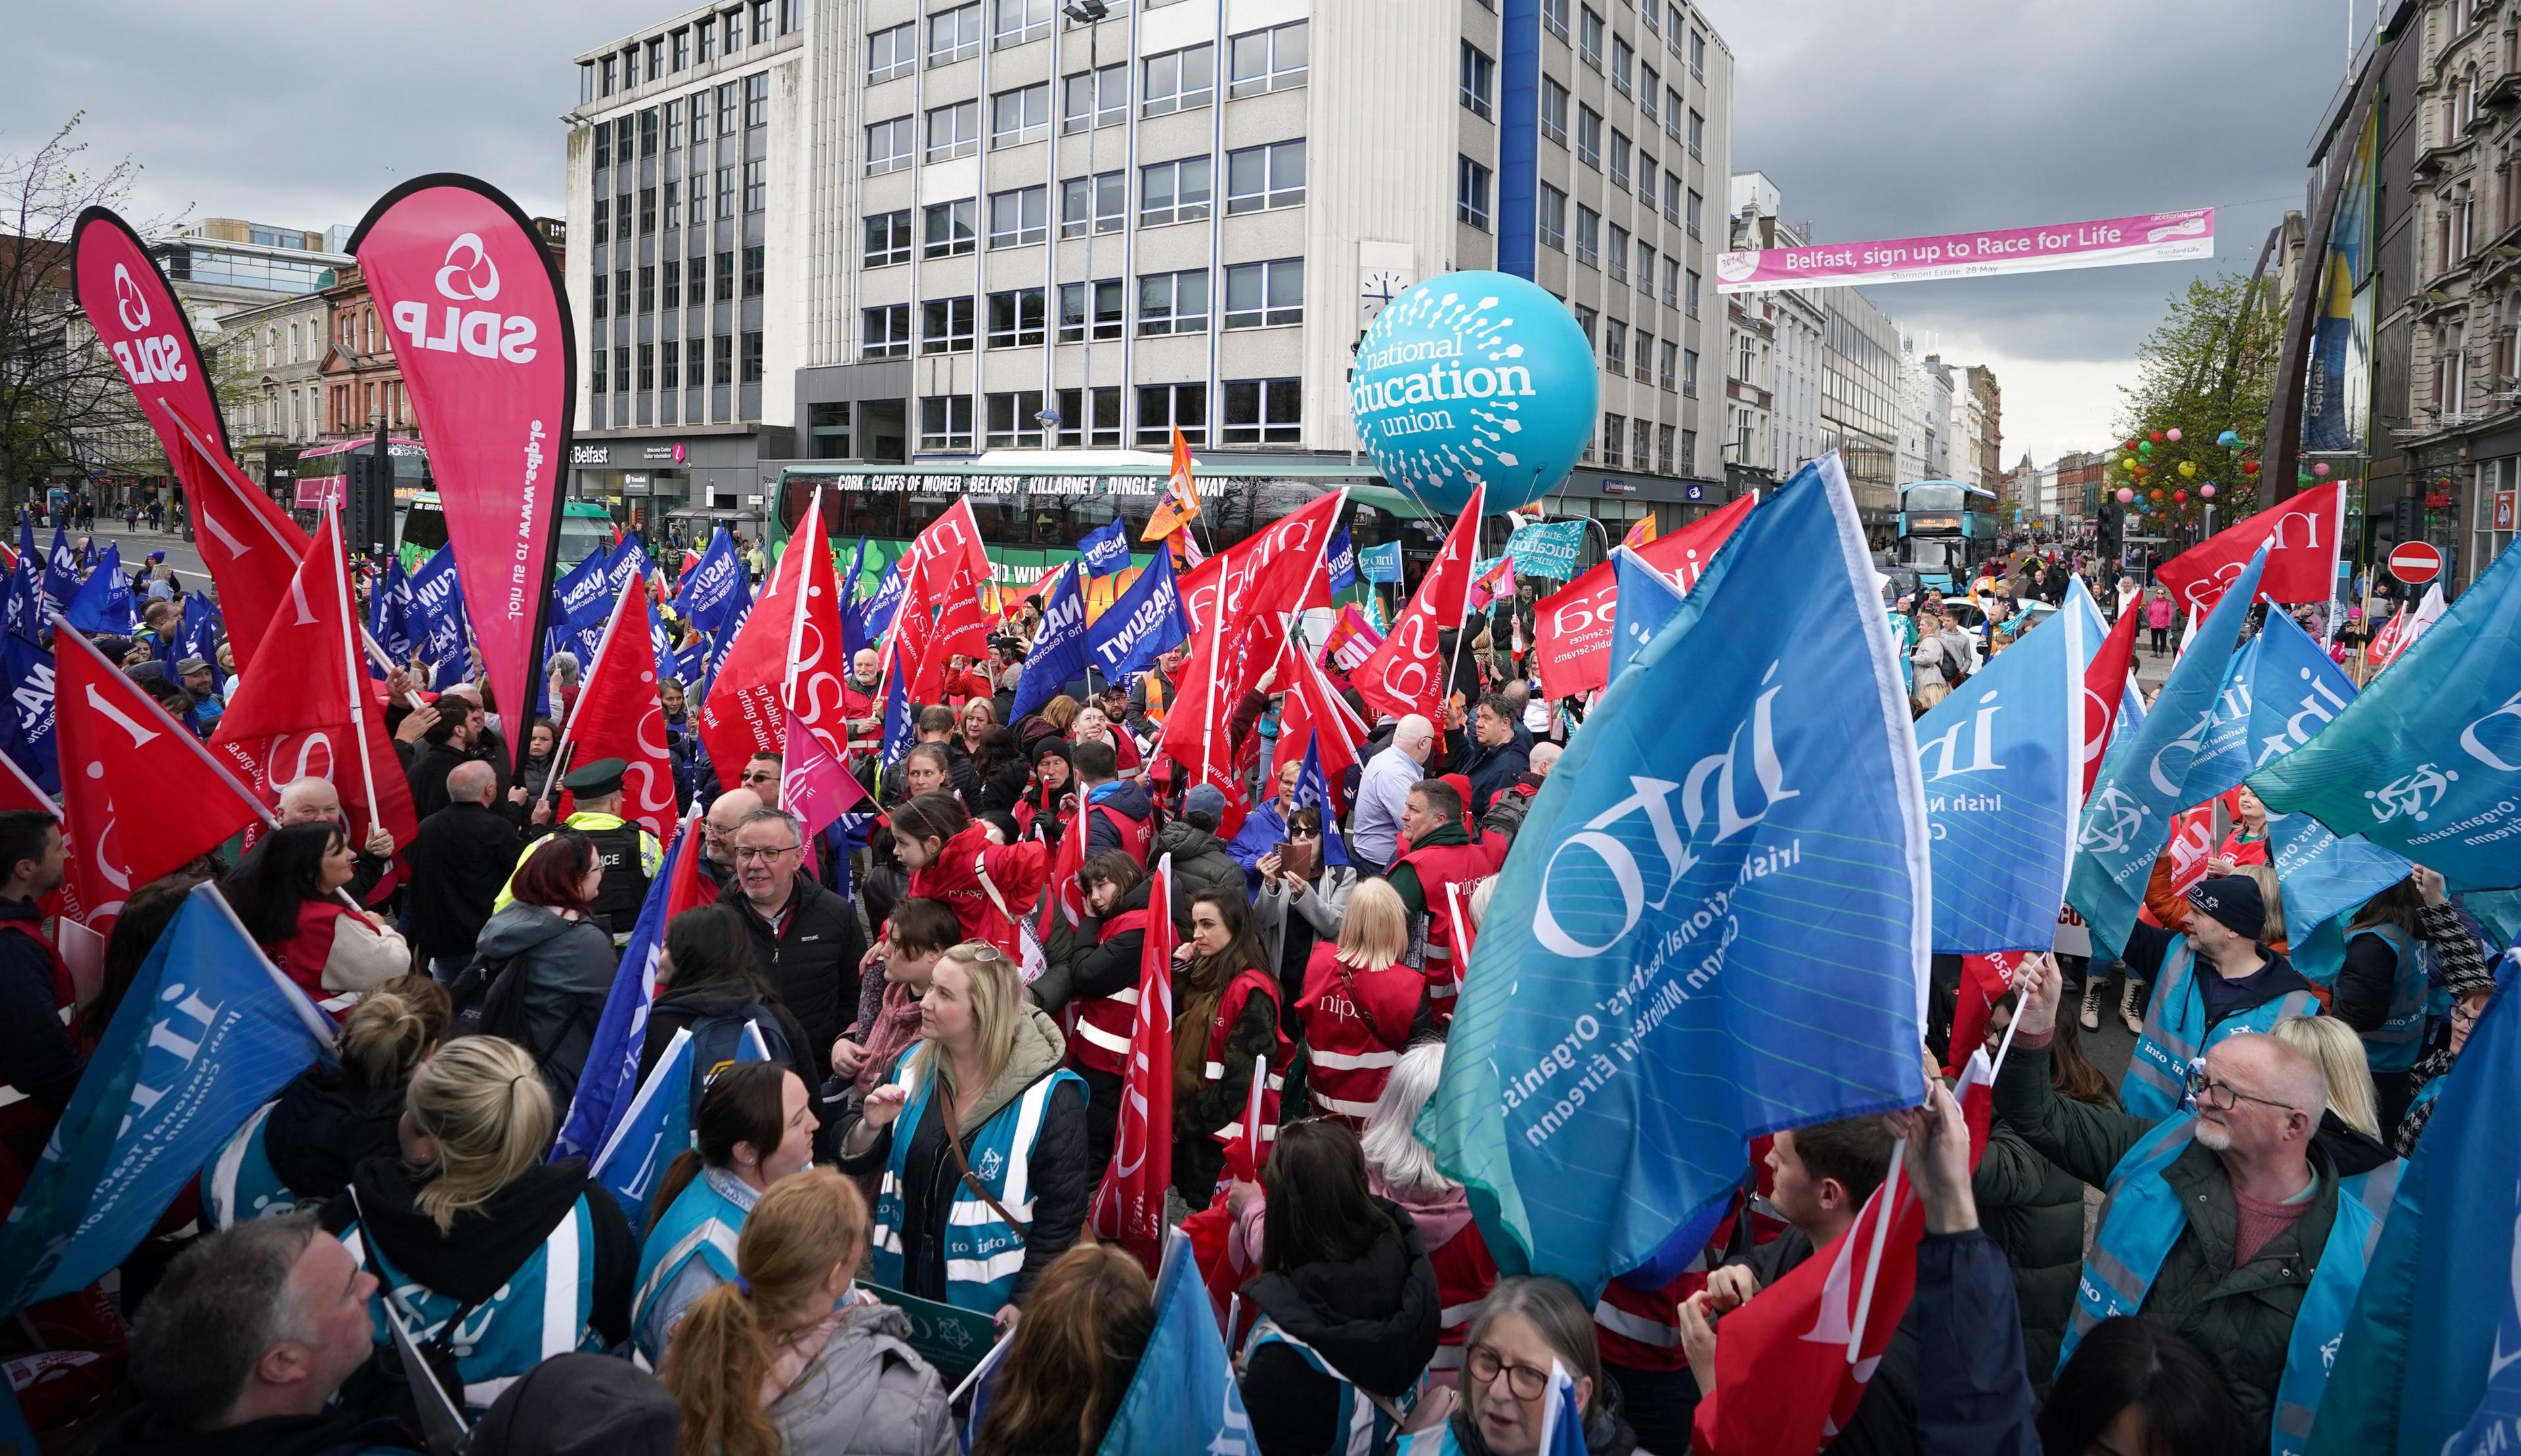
<point x="1878" y="118"/>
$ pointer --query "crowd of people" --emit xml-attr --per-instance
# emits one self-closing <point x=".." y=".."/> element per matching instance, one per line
<point x="944" y="990"/>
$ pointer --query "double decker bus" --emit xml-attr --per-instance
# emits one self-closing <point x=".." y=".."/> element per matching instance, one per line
<point x="1947" y="528"/>
<point x="324" y="471"/>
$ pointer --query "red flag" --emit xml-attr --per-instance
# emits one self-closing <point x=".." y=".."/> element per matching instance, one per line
<point x="691" y="887"/>
<point x="308" y="707"/>
<point x="1231" y="574"/>
<point x="1314" y="710"/>
<point x="813" y="785"/>
<point x="1784" y="1384"/>
<point x="485" y="348"/>
<point x="2191" y="845"/>
<point x="943" y="569"/>
<point x="1573" y="624"/>
<point x="123" y="755"/>
<point x="1130" y="1205"/>
<point x="1407" y="673"/>
<point x="2104" y="689"/>
<point x="618" y="715"/>
<point x="2303" y="567"/>
<point x="1985" y="980"/>
<point x="787" y="656"/>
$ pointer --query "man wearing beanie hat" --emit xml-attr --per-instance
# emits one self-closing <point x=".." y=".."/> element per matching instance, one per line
<point x="2209" y="982"/>
<point x="1202" y="862"/>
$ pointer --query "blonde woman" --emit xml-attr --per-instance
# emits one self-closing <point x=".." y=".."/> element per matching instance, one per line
<point x="1358" y="1004"/>
<point x="2340" y="1051"/>
<point x="788" y="1357"/>
<point x="978" y="1132"/>
<point x="471" y="1230"/>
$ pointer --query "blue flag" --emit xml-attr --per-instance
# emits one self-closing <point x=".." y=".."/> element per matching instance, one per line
<point x="2004" y="767"/>
<point x="27" y="729"/>
<point x="1313" y="788"/>
<point x="104" y="604"/>
<point x="2429" y="1345"/>
<point x="1646" y="601"/>
<point x="1146" y="622"/>
<point x="2427" y="760"/>
<point x="203" y="630"/>
<point x="2144" y="780"/>
<point x="437" y="624"/>
<point x="1341" y="559"/>
<point x="1105" y="549"/>
<point x="1548" y="548"/>
<point x="657" y="1126"/>
<point x="1183" y="1397"/>
<point x="579" y="630"/>
<point x="61" y="575"/>
<point x="708" y="593"/>
<point x="899" y="722"/>
<point x="1561" y="1416"/>
<point x="1715" y="923"/>
<point x="875" y="617"/>
<point x="390" y="612"/>
<point x="1058" y="656"/>
<point x="208" y="1031"/>
<point x="850" y="616"/>
<point x="692" y="665"/>
<point x="1381" y="563"/>
<point x="611" y="1074"/>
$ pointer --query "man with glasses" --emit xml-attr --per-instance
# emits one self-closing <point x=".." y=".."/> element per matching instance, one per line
<point x="2231" y="1221"/>
<point x="806" y="940"/>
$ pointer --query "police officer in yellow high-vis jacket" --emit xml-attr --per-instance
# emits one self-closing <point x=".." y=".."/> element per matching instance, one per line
<point x="630" y="855"/>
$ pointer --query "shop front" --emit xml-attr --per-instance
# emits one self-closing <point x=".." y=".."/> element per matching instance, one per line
<point x="670" y="488"/>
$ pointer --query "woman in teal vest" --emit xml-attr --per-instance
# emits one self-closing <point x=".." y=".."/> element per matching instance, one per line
<point x="1526" y="1325"/>
<point x="301" y="1147"/>
<point x="980" y="1136"/>
<point x="480" y="1246"/>
<point x="2388" y="980"/>
<point x="756" y="1127"/>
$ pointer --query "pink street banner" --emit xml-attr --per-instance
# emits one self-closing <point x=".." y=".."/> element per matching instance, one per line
<point x="2152" y="238"/>
<point x="474" y="304"/>
<point x="138" y="321"/>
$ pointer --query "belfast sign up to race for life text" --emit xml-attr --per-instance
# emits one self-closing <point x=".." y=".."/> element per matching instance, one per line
<point x="2153" y="238"/>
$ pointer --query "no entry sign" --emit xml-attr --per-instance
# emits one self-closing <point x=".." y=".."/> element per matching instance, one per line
<point x="2415" y="563"/>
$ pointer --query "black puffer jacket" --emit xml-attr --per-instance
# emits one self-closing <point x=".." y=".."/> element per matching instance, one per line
<point x="1374" y="1318"/>
<point x="811" y="961"/>
<point x="1202" y="865"/>
<point x="324" y="1126"/>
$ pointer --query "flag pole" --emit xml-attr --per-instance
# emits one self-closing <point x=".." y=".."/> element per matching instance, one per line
<point x="1888" y="1195"/>
<point x="353" y="670"/>
<point x="568" y="725"/>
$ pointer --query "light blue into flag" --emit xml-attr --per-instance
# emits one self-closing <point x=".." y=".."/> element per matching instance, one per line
<point x="1183" y="1397"/>
<point x="208" y="1031"/>
<point x="2002" y="762"/>
<point x="2433" y="1329"/>
<point x="657" y="1127"/>
<point x="2144" y="780"/>
<point x="1106" y="550"/>
<point x="1715" y="922"/>
<point x="2281" y="689"/>
<point x="612" y="1076"/>
<point x="1058" y="656"/>
<point x="2427" y="760"/>
<point x="1381" y="563"/>
<point x="1646" y="600"/>
<point x="1142" y="626"/>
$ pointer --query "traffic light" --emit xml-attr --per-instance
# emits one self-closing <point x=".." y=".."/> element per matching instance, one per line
<point x="367" y="506"/>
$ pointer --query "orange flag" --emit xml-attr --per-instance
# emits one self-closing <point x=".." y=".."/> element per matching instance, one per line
<point x="1179" y="505"/>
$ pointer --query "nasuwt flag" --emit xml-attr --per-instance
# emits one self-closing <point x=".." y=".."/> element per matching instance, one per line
<point x="2003" y="763"/>
<point x="1729" y="869"/>
<point x="1059" y="656"/>
<point x="1183" y="1397"/>
<point x="2300" y="536"/>
<point x="1407" y="673"/>
<point x="1647" y="600"/>
<point x="657" y="1126"/>
<point x="619" y="716"/>
<point x="2105" y="681"/>
<point x="1144" y="623"/>
<point x="143" y="795"/>
<point x="2432" y="1326"/>
<point x="487" y="349"/>
<point x="1572" y="625"/>
<point x="1786" y="1381"/>
<point x="2144" y="779"/>
<point x="709" y="590"/>
<point x="208" y="1031"/>
<point x="60" y="574"/>
<point x="1178" y="506"/>
<point x="611" y="1074"/>
<point x="1105" y="549"/>
<point x="900" y="719"/>
<point x="307" y="709"/>
<point x="2424" y="760"/>
<point x="26" y="718"/>
<point x="389" y="612"/>
<point x="102" y="604"/>
<point x="1341" y="562"/>
<point x="1129" y="1205"/>
<point x="439" y="630"/>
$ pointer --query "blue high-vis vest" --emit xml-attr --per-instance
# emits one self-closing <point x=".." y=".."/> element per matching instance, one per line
<point x="1365" y="1427"/>
<point x="2175" y="1033"/>
<point x="983" y="1254"/>
<point x="2392" y="1046"/>
<point x="2142" y="1218"/>
<point x="690" y="1252"/>
<point x="541" y="1311"/>
<point x="239" y="1182"/>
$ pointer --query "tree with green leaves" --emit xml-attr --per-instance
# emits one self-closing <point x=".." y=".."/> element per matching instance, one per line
<point x="2208" y="366"/>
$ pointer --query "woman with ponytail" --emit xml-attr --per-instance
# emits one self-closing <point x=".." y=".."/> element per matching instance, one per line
<point x="467" y="1229"/>
<point x="301" y="1147"/>
<point x="1074" y="1357"/>
<point x="788" y="1360"/>
<point x="1358" y="1004"/>
<point x="755" y="1127"/>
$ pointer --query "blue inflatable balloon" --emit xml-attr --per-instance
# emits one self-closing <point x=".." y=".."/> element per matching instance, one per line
<point x="1474" y="378"/>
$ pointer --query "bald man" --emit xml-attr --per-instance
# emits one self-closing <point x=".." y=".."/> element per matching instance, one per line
<point x="459" y="859"/>
<point x="314" y="800"/>
<point x="717" y="832"/>
<point x="1383" y="794"/>
<point x="2230" y="1220"/>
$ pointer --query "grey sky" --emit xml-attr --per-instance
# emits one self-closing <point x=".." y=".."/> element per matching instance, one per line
<point x="1877" y="119"/>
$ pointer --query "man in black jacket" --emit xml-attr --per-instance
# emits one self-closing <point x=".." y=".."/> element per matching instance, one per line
<point x="1490" y="755"/>
<point x="37" y="1059"/>
<point x="459" y="860"/>
<point x="447" y="743"/>
<point x="806" y="940"/>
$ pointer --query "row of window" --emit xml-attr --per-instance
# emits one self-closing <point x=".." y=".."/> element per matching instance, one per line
<point x="1257" y="61"/>
<point x="660" y="56"/>
<point x="1258" y="412"/>
<point x="1257" y="178"/>
<point x="1257" y="296"/>
<point x="615" y="219"/>
<point x="1649" y="447"/>
<point x="627" y="138"/>
<point x="661" y="366"/>
<point x="1683" y="38"/>
<point x="662" y="285"/>
<point x="1680" y="285"/>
